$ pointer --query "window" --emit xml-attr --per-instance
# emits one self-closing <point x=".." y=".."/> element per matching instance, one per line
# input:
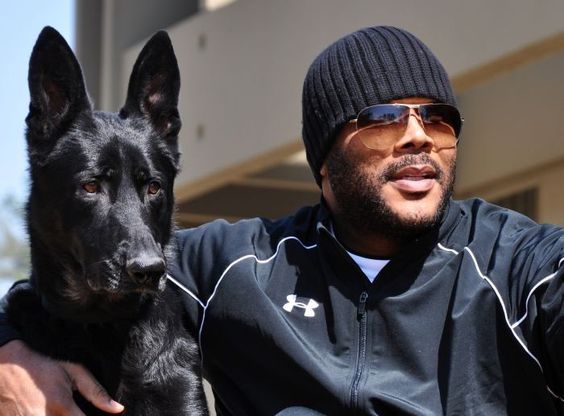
<point x="525" y="202"/>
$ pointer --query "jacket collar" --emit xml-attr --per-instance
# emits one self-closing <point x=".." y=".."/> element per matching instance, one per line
<point x="406" y="263"/>
<point x="419" y="243"/>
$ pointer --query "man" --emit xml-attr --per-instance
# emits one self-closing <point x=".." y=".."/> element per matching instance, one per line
<point x="388" y="297"/>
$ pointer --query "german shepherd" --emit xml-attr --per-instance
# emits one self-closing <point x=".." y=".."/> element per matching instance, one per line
<point x="99" y="218"/>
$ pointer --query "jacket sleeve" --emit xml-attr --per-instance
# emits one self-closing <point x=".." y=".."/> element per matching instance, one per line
<point x="204" y="256"/>
<point x="183" y="274"/>
<point x="541" y="318"/>
<point x="7" y="333"/>
<point x="551" y="322"/>
<point x="199" y="262"/>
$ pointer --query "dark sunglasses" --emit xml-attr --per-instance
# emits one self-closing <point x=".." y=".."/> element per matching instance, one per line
<point x="381" y="126"/>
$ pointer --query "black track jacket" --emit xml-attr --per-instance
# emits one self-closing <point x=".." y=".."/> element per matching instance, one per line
<point x="466" y="320"/>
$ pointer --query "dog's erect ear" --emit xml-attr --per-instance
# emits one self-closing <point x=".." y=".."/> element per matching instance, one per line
<point x="56" y="86"/>
<point x="154" y="86"/>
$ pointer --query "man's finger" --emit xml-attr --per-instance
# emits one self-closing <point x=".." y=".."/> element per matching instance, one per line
<point x="83" y="381"/>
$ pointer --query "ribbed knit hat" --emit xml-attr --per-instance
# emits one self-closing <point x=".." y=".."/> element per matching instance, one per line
<point x="371" y="66"/>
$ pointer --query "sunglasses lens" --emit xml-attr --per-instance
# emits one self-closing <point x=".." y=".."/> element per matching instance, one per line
<point x="380" y="126"/>
<point x="441" y="118"/>
<point x="381" y="115"/>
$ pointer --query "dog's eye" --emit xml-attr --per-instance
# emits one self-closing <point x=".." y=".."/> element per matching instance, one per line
<point x="154" y="188"/>
<point x="91" y="187"/>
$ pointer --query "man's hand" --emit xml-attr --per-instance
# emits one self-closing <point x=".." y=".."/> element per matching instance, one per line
<point x="34" y="385"/>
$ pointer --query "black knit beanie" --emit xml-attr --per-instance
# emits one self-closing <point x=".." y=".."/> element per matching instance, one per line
<point x="371" y="66"/>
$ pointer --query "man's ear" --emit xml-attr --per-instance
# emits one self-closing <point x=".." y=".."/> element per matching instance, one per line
<point x="154" y="86"/>
<point x="57" y="90"/>
<point x="323" y="170"/>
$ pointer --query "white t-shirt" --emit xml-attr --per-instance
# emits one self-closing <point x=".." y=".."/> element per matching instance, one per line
<point x="370" y="267"/>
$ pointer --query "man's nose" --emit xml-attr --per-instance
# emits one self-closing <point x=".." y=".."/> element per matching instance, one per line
<point x="415" y="137"/>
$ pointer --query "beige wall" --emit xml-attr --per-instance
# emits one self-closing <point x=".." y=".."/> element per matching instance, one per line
<point x="512" y="140"/>
<point x="243" y="65"/>
<point x="551" y="198"/>
<point x="512" y="123"/>
<point x="548" y="180"/>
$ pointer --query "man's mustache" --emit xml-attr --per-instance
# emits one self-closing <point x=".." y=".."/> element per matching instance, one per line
<point x="390" y="171"/>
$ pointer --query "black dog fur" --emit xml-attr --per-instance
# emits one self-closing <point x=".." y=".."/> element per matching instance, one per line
<point x="99" y="219"/>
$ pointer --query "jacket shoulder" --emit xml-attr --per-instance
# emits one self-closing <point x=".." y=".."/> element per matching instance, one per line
<point x="502" y="240"/>
<point x="249" y="236"/>
<point x="203" y="254"/>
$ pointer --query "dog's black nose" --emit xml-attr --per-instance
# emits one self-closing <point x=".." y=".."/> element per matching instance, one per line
<point x="145" y="270"/>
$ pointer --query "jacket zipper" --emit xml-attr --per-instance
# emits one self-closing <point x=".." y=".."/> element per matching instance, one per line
<point x="361" y="316"/>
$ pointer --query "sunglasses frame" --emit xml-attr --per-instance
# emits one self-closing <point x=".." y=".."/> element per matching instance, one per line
<point x="456" y="128"/>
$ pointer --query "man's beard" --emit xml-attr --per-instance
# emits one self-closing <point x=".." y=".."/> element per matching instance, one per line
<point x="360" y="201"/>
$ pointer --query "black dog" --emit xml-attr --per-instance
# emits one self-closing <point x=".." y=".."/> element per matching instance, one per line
<point x="99" y="221"/>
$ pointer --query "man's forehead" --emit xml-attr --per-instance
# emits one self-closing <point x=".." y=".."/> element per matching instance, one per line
<point x="412" y="100"/>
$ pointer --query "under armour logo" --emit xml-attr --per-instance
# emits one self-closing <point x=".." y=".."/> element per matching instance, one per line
<point x="309" y="307"/>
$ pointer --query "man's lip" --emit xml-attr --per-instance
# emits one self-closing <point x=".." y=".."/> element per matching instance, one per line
<point x="415" y="172"/>
<point x="413" y="186"/>
<point x="414" y="178"/>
